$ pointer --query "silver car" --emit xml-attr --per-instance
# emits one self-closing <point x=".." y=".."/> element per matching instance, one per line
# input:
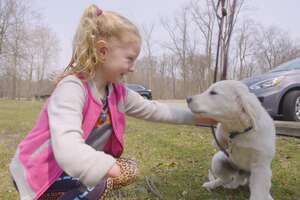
<point x="279" y="90"/>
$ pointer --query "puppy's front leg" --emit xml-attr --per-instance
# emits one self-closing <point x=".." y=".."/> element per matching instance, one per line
<point x="213" y="182"/>
<point x="260" y="182"/>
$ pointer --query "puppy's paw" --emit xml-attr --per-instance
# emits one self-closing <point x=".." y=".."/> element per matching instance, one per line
<point x="231" y="185"/>
<point x="270" y="197"/>
<point x="264" y="197"/>
<point x="208" y="186"/>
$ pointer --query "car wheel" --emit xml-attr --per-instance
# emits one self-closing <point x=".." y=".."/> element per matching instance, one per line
<point x="145" y="96"/>
<point x="291" y="106"/>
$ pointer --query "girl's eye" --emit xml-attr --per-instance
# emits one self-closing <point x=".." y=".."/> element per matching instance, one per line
<point x="212" y="92"/>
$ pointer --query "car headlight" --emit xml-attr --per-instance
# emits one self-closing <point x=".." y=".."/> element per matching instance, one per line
<point x="268" y="83"/>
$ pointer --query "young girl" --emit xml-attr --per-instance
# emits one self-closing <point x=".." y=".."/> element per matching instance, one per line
<point x="74" y="150"/>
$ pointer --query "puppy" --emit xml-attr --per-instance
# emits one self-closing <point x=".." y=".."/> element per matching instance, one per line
<point x="246" y="133"/>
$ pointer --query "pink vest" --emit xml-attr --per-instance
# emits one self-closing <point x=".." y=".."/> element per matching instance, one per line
<point x="36" y="154"/>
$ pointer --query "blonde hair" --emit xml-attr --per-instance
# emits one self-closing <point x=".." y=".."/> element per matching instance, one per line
<point x="94" y="25"/>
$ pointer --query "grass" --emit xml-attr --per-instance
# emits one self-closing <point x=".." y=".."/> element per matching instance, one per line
<point x="175" y="158"/>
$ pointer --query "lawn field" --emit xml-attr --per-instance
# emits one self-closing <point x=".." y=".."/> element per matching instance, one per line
<point x="174" y="158"/>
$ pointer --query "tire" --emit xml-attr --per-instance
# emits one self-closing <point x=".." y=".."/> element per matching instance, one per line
<point x="291" y="106"/>
<point x="145" y="96"/>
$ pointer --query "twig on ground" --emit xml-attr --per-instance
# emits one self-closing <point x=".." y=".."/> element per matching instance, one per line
<point x="152" y="188"/>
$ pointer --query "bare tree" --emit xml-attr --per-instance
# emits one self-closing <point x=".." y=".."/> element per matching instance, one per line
<point x="274" y="47"/>
<point x="185" y="65"/>
<point x="48" y="48"/>
<point x="230" y="10"/>
<point x="27" y="49"/>
<point x="150" y="60"/>
<point x="161" y="79"/>
<point x="181" y="44"/>
<point x="41" y="56"/>
<point x="245" y="49"/>
<point x="204" y="18"/>
<point x="6" y="9"/>
<point x="16" y="44"/>
<point x="172" y="71"/>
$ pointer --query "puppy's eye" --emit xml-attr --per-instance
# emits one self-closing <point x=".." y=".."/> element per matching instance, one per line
<point x="212" y="92"/>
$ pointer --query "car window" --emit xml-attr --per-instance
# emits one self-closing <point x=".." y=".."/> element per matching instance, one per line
<point x="291" y="65"/>
<point x="135" y="87"/>
<point x="131" y="86"/>
<point x="140" y="87"/>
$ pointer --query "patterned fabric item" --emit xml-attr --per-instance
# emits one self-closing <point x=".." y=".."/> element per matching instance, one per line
<point x="51" y="196"/>
<point x="69" y="188"/>
<point x="109" y="188"/>
<point x="129" y="173"/>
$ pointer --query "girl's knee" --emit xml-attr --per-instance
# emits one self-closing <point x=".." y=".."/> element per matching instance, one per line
<point x="129" y="173"/>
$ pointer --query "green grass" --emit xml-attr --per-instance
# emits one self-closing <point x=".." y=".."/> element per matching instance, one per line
<point x="175" y="158"/>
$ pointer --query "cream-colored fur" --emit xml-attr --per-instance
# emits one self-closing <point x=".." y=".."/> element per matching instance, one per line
<point x="250" y="153"/>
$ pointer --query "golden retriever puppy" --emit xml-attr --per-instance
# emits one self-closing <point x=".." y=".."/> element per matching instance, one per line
<point x="246" y="137"/>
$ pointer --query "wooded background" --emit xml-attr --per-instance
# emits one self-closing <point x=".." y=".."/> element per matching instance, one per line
<point x="185" y="63"/>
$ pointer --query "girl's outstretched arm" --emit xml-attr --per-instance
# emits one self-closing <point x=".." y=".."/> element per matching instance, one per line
<point x="137" y="106"/>
<point x="205" y="121"/>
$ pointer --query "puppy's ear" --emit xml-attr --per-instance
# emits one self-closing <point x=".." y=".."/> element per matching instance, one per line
<point x="249" y="104"/>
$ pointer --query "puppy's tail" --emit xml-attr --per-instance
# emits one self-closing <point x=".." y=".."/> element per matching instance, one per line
<point x="211" y="176"/>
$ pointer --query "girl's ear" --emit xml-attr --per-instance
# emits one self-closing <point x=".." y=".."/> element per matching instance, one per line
<point x="102" y="49"/>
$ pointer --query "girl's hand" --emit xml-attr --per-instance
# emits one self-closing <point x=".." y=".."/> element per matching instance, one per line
<point x="204" y="120"/>
<point x="114" y="171"/>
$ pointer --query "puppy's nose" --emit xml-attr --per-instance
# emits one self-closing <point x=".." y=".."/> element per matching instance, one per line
<point x="189" y="99"/>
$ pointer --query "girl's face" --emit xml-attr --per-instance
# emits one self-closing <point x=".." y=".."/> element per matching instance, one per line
<point x="118" y="59"/>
